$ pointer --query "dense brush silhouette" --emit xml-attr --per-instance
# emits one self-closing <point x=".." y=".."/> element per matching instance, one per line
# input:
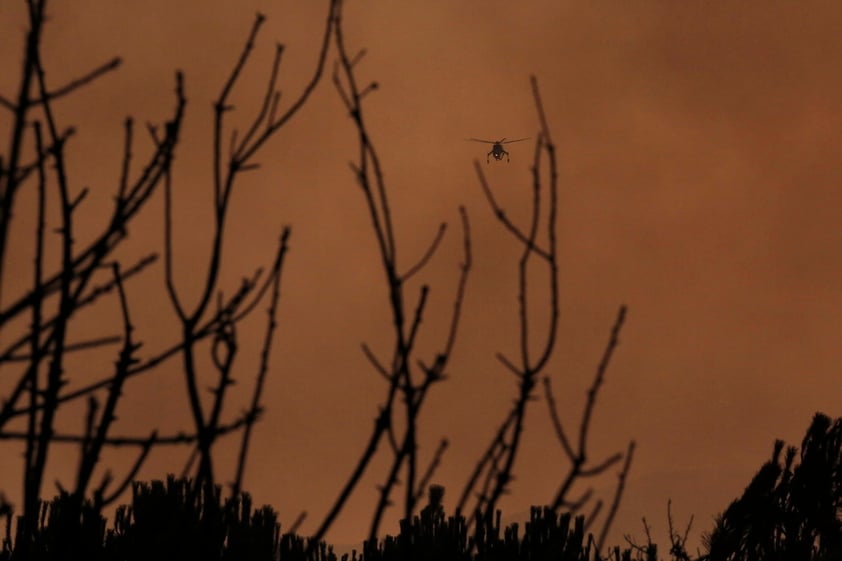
<point x="176" y="520"/>
<point x="165" y="520"/>
<point x="789" y="511"/>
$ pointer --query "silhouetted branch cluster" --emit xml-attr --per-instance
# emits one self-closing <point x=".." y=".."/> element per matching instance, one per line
<point x="224" y="346"/>
<point x="494" y="472"/>
<point x="207" y="346"/>
<point x="678" y="542"/>
<point x="408" y="376"/>
<point x="34" y="360"/>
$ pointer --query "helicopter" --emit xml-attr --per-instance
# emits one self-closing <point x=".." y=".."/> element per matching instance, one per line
<point x="497" y="150"/>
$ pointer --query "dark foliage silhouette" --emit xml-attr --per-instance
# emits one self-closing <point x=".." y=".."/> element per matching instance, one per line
<point x="790" y="510"/>
<point x="176" y="520"/>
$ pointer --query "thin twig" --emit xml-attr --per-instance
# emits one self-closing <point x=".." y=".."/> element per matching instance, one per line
<point x="132" y="473"/>
<point x="264" y="359"/>
<point x="332" y="21"/>
<point x="118" y="441"/>
<point x="369" y="354"/>
<point x="556" y="420"/>
<point x="618" y="495"/>
<point x="91" y="453"/>
<point x="431" y="469"/>
<point x="168" y="250"/>
<point x="600" y="377"/>
<point x="427" y="254"/>
<point x="501" y="214"/>
<point x="74" y="85"/>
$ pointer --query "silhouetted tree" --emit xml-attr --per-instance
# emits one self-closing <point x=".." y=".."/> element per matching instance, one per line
<point x="789" y="511"/>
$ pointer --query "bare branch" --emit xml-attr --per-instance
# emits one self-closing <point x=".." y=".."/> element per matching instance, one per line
<point x="501" y="214"/>
<point x="93" y="448"/>
<point x="293" y="528"/>
<point x="618" y="495"/>
<point x="177" y="439"/>
<point x="332" y="22"/>
<point x="559" y="429"/>
<point x="265" y="113"/>
<point x="264" y="359"/>
<point x="427" y="255"/>
<point x="431" y="469"/>
<point x="601" y="466"/>
<point x="74" y="85"/>
<point x="130" y="476"/>
<point x="221" y="106"/>
<point x="600" y="376"/>
<point x="369" y="354"/>
<point x="508" y="364"/>
<point x="579" y="458"/>
<point x="127" y="159"/>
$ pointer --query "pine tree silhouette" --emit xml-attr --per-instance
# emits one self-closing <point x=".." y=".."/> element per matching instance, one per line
<point x="788" y="513"/>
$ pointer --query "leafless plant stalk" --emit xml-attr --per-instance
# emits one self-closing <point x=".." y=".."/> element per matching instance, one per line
<point x="226" y="172"/>
<point x="408" y="377"/>
<point x="494" y="471"/>
<point x="255" y="408"/>
<point x="534" y="357"/>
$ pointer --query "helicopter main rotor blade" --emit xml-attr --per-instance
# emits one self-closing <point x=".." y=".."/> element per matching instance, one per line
<point x="481" y="140"/>
<point x="504" y="141"/>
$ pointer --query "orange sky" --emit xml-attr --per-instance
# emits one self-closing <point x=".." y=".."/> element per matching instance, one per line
<point x="699" y="186"/>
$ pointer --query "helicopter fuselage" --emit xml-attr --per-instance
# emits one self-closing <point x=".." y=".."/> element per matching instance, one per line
<point x="497" y="152"/>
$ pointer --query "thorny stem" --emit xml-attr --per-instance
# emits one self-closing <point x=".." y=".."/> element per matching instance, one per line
<point x="579" y="457"/>
<point x="497" y="462"/>
<point x="398" y="374"/>
<point x="508" y="436"/>
<point x="37" y="352"/>
<point x="91" y="453"/>
<point x="264" y="362"/>
<point x="179" y="438"/>
<point x="224" y="179"/>
<point x="8" y="188"/>
<point x="67" y="301"/>
<point x="235" y="306"/>
<point x="618" y="495"/>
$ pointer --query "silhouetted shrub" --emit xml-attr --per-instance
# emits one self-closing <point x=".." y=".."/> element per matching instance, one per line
<point x="166" y="520"/>
<point x="177" y="520"/>
<point x="68" y="528"/>
<point x="789" y="511"/>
